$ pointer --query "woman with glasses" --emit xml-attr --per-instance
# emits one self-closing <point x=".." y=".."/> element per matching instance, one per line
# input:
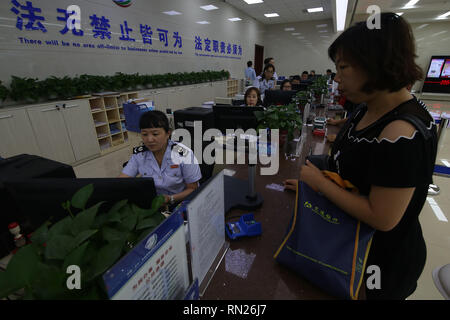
<point x="265" y="81"/>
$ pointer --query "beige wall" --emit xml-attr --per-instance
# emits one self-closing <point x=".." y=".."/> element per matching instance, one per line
<point x="41" y="61"/>
<point x="293" y="55"/>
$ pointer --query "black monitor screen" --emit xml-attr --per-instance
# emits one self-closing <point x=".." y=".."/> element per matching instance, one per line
<point x="233" y="117"/>
<point x="438" y="75"/>
<point x="278" y="97"/>
<point x="41" y="198"/>
<point x="299" y="87"/>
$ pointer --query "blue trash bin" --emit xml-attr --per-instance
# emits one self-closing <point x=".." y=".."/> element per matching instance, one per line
<point x="133" y="113"/>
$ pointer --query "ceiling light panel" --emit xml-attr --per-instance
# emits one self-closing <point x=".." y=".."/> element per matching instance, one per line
<point x="209" y="7"/>
<point x="312" y="10"/>
<point x="172" y="13"/>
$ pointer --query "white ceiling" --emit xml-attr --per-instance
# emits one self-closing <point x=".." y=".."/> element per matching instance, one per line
<point x="423" y="11"/>
<point x="294" y="10"/>
<point x="289" y="10"/>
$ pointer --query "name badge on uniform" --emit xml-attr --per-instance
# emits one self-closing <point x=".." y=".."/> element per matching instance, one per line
<point x="174" y="166"/>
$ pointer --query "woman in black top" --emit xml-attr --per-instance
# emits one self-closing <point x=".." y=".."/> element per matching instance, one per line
<point x="385" y="156"/>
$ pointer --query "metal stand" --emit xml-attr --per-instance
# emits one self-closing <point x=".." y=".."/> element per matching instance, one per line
<point x="240" y="193"/>
<point x="443" y="124"/>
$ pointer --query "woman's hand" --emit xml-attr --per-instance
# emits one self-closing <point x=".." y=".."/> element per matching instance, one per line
<point x="311" y="175"/>
<point x="331" y="137"/>
<point x="166" y="199"/>
<point x="290" y="184"/>
<point x="332" y="122"/>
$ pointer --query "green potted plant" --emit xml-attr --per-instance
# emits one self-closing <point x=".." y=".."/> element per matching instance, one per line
<point x="25" y="89"/>
<point x="301" y="98"/>
<point x="89" y="239"/>
<point x="4" y="92"/>
<point x="320" y="87"/>
<point x="285" y="118"/>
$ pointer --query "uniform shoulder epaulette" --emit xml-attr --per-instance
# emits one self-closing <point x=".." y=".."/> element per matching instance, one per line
<point x="180" y="150"/>
<point x="139" y="149"/>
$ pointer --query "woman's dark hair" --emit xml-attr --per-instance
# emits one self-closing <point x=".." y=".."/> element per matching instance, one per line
<point x="258" y="94"/>
<point x="284" y="82"/>
<point x="249" y="64"/>
<point x="267" y="66"/>
<point x="386" y="54"/>
<point x="154" y="119"/>
<point x="267" y="60"/>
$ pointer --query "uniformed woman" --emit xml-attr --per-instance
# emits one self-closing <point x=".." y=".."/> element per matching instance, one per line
<point x="172" y="165"/>
<point x="266" y="80"/>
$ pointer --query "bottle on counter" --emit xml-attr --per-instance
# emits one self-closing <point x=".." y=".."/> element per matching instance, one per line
<point x="19" y="239"/>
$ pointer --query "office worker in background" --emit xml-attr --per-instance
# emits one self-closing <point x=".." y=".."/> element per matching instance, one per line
<point x="250" y="74"/>
<point x="296" y="79"/>
<point x="265" y="81"/>
<point x="312" y="75"/>
<point x="304" y="76"/>
<point x="252" y="97"/>
<point x="388" y="159"/>
<point x="272" y="62"/>
<point x="172" y="165"/>
<point x="286" y="85"/>
<point x="330" y="74"/>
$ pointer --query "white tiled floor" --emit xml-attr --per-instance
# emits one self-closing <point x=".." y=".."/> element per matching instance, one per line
<point x="436" y="232"/>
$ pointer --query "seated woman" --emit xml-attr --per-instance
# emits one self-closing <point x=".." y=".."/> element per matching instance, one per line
<point x="252" y="97"/>
<point x="286" y="85"/>
<point x="172" y="165"/>
<point x="265" y="81"/>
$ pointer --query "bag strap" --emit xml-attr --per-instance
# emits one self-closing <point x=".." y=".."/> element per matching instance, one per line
<point x="416" y="122"/>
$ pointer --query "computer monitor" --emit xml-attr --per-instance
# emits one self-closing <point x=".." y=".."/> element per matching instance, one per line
<point x="438" y="76"/>
<point x="299" y="87"/>
<point x="238" y="102"/>
<point x="278" y="97"/>
<point x="234" y="117"/>
<point x="40" y="198"/>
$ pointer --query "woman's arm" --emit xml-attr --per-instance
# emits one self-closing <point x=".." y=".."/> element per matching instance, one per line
<point x="382" y="210"/>
<point x="384" y="207"/>
<point x="123" y="175"/>
<point x="190" y="187"/>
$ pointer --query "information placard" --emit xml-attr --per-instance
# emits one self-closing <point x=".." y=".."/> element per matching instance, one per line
<point x="156" y="269"/>
<point x="206" y="217"/>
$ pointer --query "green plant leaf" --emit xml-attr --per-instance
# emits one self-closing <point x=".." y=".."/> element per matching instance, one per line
<point x="111" y="234"/>
<point x="76" y="256"/>
<point x="142" y="213"/>
<point x="157" y="202"/>
<point x="51" y="283"/>
<point x="85" y="219"/>
<point x="59" y="246"/>
<point x="152" y="222"/>
<point x="129" y="222"/>
<point x="23" y="267"/>
<point x="39" y="237"/>
<point x="118" y="205"/>
<point x="81" y="197"/>
<point x="83" y="236"/>
<point x="60" y="227"/>
<point x="105" y="258"/>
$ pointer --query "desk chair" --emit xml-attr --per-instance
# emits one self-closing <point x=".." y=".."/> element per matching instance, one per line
<point x="441" y="278"/>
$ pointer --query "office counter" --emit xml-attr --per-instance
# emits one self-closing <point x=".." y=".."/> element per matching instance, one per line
<point x="248" y="270"/>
